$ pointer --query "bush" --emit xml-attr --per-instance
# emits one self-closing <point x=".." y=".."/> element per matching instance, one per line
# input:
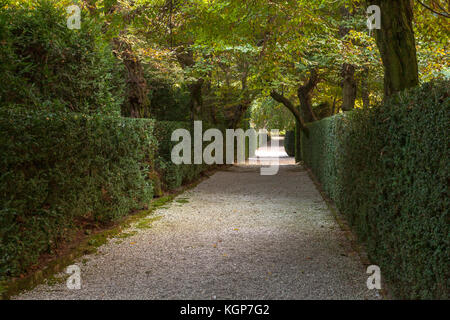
<point x="169" y="103"/>
<point x="387" y="170"/>
<point x="173" y="176"/>
<point x="58" y="168"/>
<point x="319" y="152"/>
<point x="289" y="143"/>
<point x="46" y="66"/>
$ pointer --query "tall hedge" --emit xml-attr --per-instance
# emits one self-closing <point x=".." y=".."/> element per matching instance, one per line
<point x="59" y="169"/>
<point x="387" y="169"/>
<point x="56" y="169"/>
<point x="289" y="143"/>
<point x="173" y="175"/>
<point x="44" y="65"/>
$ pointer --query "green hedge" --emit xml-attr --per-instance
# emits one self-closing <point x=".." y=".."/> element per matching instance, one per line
<point x="56" y="169"/>
<point x="46" y="66"/>
<point x="172" y="175"/>
<point x="387" y="169"/>
<point x="320" y="152"/>
<point x="289" y="143"/>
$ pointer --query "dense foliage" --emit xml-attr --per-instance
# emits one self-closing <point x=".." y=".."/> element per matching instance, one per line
<point x="387" y="170"/>
<point x="289" y="143"/>
<point x="174" y="175"/>
<point x="46" y="66"/>
<point x="59" y="169"/>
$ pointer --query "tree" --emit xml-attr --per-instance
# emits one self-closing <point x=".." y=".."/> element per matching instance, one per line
<point x="397" y="45"/>
<point x="348" y="70"/>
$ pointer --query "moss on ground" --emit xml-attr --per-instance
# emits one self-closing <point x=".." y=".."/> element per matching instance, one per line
<point x="146" y="223"/>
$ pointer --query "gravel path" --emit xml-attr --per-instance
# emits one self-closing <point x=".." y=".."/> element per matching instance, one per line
<point x="237" y="235"/>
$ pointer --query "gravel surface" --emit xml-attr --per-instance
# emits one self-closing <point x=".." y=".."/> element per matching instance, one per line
<point x="237" y="235"/>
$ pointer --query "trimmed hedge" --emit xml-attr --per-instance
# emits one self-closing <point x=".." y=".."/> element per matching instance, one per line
<point x="289" y="143"/>
<point x="58" y="168"/>
<point x="46" y="66"/>
<point x="172" y="175"/>
<point x="387" y="169"/>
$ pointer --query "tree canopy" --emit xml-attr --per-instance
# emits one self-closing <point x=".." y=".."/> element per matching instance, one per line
<point x="215" y="59"/>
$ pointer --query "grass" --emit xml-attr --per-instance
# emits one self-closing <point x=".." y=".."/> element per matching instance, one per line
<point x="146" y="223"/>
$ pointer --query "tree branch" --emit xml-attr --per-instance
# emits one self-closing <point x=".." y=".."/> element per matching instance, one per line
<point x="304" y="95"/>
<point x="288" y="104"/>
<point x="446" y="15"/>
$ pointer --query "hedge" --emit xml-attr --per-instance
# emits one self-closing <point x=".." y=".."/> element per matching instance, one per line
<point x="289" y="143"/>
<point x="172" y="175"/>
<point x="46" y="66"/>
<point x="387" y="169"/>
<point x="60" y="169"/>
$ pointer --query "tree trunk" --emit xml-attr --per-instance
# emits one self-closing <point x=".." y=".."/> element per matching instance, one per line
<point x="365" y="88"/>
<point x="348" y="87"/>
<point x="348" y="70"/>
<point x="333" y="108"/>
<point x="304" y="94"/>
<point x="288" y="104"/>
<point x="397" y="46"/>
<point x="186" y="59"/>
<point x="196" y="101"/>
<point x="137" y="103"/>
<point x="298" y="146"/>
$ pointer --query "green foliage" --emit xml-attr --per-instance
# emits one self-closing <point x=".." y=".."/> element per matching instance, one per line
<point x="46" y="66"/>
<point x="387" y="170"/>
<point x="57" y="169"/>
<point x="267" y="113"/>
<point x="173" y="176"/>
<point x="169" y="103"/>
<point x="319" y="151"/>
<point x="432" y="38"/>
<point x="289" y="143"/>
